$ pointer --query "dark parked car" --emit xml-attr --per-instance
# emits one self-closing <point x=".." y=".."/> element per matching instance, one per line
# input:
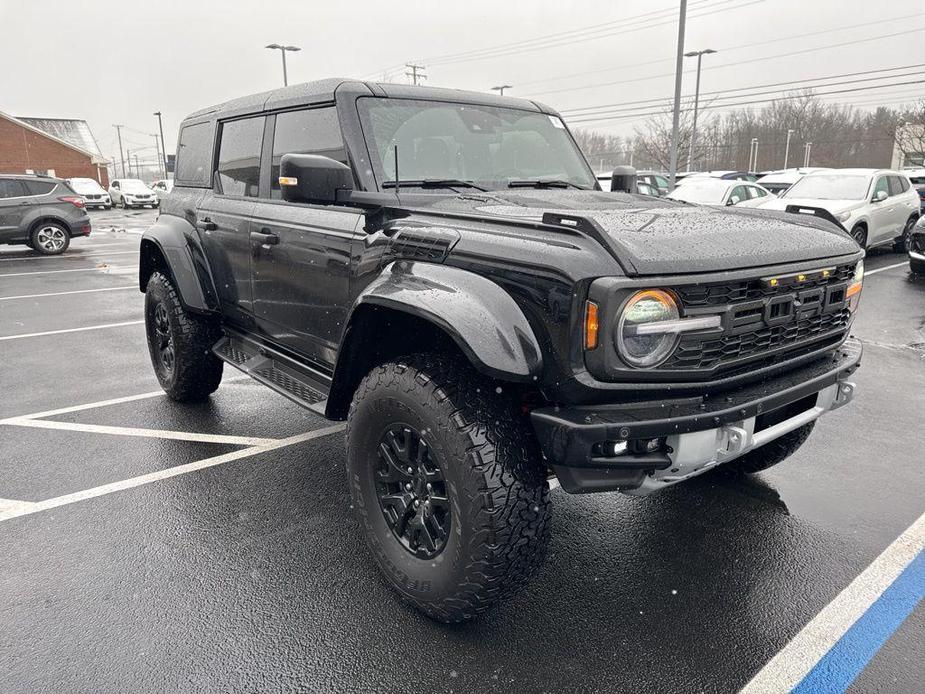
<point x="915" y="246"/>
<point x="440" y="269"/>
<point x="40" y="212"/>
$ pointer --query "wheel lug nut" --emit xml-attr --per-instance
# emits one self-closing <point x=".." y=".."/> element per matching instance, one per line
<point x="417" y="502"/>
<point x="410" y="470"/>
<point x="408" y="487"/>
<point x="429" y="486"/>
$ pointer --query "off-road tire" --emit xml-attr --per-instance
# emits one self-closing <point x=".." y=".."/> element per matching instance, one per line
<point x="195" y="372"/>
<point x="495" y="483"/>
<point x="49" y="238"/>
<point x="771" y="453"/>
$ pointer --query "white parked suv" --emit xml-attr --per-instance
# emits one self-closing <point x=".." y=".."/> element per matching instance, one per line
<point x="877" y="206"/>
<point x="93" y="194"/>
<point x="705" y="190"/>
<point x="162" y="187"/>
<point x="131" y="192"/>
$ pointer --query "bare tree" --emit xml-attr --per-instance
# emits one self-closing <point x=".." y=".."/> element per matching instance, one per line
<point x="909" y="134"/>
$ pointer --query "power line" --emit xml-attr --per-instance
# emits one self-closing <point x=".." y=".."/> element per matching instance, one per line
<point x="738" y="63"/>
<point x="727" y="49"/>
<point x="414" y="74"/>
<point x="648" y="103"/>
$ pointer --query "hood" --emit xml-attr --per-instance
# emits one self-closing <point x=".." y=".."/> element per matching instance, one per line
<point x="836" y="207"/>
<point x="651" y="236"/>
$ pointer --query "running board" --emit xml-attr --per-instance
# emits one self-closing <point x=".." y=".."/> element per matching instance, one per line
<point x="275" y="370"/>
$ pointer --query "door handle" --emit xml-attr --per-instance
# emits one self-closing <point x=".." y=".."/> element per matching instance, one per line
<point x="206" y="224"/>
<point x="265" y="237"/>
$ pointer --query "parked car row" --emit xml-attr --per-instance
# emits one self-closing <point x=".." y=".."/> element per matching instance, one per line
<point x="124" y="192"/>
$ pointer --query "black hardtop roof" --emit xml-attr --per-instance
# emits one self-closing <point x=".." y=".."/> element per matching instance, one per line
<point x="321" y="91"/>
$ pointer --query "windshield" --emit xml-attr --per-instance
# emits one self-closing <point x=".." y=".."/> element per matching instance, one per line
<point x="134" y="185"/>
<point x="485" y="146"/>
<point x="708" y="192"/>
<point x="85" y="185"/>
<point x="830" y="187"/>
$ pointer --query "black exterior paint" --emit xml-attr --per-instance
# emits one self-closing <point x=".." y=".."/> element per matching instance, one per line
<point x="504" y="275"/>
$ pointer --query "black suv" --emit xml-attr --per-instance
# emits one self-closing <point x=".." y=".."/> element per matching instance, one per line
<point x="40" y="212"/>
<point x="441" y="269"/>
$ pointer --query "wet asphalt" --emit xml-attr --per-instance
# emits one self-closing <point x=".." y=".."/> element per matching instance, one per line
<point x="252" y="575"/>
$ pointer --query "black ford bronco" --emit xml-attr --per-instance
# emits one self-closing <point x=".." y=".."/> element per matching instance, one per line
<point x="441" y="270"/>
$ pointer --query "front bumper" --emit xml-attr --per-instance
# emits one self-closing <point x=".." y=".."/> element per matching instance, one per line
<point x="694" y="434"/>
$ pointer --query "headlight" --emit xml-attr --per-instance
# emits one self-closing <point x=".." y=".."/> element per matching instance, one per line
<point x="639" y="340"/>
<point x="844" y="216"/>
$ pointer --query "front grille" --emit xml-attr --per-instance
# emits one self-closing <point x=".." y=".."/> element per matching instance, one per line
<point x="723" y="293"/>
<point x="705" y="353"/>
<point x="755" y="324"/>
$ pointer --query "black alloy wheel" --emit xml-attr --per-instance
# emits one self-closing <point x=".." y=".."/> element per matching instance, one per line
<point x="412" y="491"/>
<point x="163" y="340"/>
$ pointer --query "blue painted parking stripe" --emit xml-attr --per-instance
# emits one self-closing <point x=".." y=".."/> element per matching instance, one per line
<point x="853" y="651"/>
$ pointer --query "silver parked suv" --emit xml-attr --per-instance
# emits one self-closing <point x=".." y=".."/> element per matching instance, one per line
<point x="40" y="212"/>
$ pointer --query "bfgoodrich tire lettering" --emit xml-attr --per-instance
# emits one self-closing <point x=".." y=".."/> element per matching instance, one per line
<point x="492" y="476"/>
<point x="772" y="453"/>
<point x="180" y="344"/>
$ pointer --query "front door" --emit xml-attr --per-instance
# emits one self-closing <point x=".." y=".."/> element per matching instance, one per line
<point x="13" y="203"/>
<point x="882" y="214"/>
<point x="301" y="253"/>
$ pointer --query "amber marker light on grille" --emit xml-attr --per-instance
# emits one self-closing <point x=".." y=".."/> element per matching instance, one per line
<point x="591" y="325"/>
<point x="288" y="181"/>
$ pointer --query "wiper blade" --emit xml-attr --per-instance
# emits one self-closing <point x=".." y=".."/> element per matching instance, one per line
<point x="433" y="183"/>
<point x="543" y="183"/>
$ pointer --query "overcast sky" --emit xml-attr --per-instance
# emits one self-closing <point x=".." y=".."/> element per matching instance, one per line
<point x="117" y="62"/>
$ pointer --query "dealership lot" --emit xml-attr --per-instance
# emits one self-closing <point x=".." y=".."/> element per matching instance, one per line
<point x="152" y="546"/>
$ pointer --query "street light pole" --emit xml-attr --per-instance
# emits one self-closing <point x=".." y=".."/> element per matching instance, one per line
<point x="160" y="125"/>
<point x="282" y="49"/>
<point x="121" y="153"/>
<point x="501" y="88"/>
<point x="699" y="55"/>
<point x="753" y="154"/>
<point x="787" y="147"/>
<point x="806" y="150"/>
<point x="676" y="115"/>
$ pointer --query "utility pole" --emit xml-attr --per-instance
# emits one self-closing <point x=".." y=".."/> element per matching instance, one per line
<point x="282" y="49"/>
<point x="807" y="148"/>
<point x="502" y="87"/>
<point x="160" y="125"/>
<point x="787" y="147"/>
<point x="157" y="153"/>
<point x="753" y="155"/>
<point x="121" y="154"/>
<point x="676" y="116"/>
<point x="415" y="76"/>
<point x="128" y="154"/>
<point x="699" y="55"/>
<point x="137" y="168"/>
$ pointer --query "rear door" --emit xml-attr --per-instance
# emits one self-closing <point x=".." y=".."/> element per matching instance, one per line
<point x="301" y="252"/>
<point x="224" y="215"/>
<point x="13" y="206"/>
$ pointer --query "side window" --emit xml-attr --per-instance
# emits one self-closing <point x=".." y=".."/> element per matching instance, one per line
<point x="39" y="187"/>
<point x="239" y="157"/>
<point x="661" y="182"/>
<point x="755" y="192"/>
<point x="194" y="155"/>
<point x="882" y="184"/>
<point x="895" y="186"/>
<point x="316" y="131"/>
<point x="739" y="192"/>
<point x="115" y="184"/>
<point x="904" y="183"/>
<point x="11" y="188"/>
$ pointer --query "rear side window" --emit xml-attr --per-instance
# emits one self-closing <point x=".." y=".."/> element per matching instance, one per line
<point x="239" y="157"/>
<point x="316" y="131"/>
<point x="194" y="154"/>
<point x="901" y="183"/>
<point x="11" y="188"/>
<point x="39" y="187"/>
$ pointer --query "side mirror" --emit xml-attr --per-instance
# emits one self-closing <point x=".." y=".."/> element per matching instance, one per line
<point x="313" y="178"/>
<point x="880" y="196"/>
<point x="734" y="200"/>
<point x="623" y="180"/>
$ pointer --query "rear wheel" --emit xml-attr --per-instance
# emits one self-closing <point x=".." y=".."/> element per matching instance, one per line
<point x="904" y="242"/>
<point x="771" y="453"/>
<point x="448" y="483"/>
<point x="49" y="238"/>
<point x="859" y="234"/>
<point x="180" y="344"/>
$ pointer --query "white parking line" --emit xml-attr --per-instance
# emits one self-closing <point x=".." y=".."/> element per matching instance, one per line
<point x="144" y="433"/>
<point x="8" y="504"/>
<point x="71" y="256"/>
<point x="788" y="668"/>
<point x="132" y="482"/>
<point x="885" y="268"/>
<point x="76" y="291"/>
<point x="57" y="272"/>
<point x="71" y="330"/>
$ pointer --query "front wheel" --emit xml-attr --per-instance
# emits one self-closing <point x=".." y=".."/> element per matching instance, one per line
<point x="180" y="344"/>
<point x="448" y="483"/>
<point x="859" y="234"/>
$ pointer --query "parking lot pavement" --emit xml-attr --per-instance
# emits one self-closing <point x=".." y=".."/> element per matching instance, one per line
<point x="152" y="546"/>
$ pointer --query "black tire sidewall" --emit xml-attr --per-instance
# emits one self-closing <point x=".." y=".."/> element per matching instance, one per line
<point x="38" y="249"/>
<point x="862" y="243"/>
<point x="155" y="294"/>
<point x="417" y="578"/>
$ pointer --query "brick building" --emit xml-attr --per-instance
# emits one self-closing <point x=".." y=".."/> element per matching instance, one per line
<point x="55" y="146"/>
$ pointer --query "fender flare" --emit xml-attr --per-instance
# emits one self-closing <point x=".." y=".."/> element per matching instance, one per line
<point x="172" y="241"/>
<point x="479" y="316"/>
